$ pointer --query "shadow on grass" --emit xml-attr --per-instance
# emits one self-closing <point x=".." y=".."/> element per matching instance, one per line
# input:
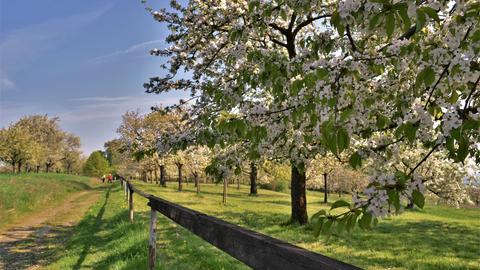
<point x="402" y="244"/>
<point x="36" y="249"/>
<point x="93" y="222"/>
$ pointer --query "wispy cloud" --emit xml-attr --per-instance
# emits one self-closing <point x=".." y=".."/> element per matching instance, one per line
<point x="23" y="46"/>
<point x="103" y="107"/>
<point x="140" y="47"/>
<point x="6" y="83"/>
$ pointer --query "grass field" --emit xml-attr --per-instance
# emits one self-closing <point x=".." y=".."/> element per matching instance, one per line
<point x="21" y="194"/>
<point x="437" y="237"/>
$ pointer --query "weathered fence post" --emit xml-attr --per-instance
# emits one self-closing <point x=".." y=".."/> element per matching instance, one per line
<point x="152" y="242"/>
<point x="130" y="203"/>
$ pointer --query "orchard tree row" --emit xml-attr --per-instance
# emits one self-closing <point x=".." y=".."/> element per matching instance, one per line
<point x="36" y="143"/>
<point x="136" y="154"/>
<point x="388" y="83"/>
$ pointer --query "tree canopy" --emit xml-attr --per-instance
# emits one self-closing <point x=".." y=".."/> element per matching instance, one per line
<point x="359" y="79"/>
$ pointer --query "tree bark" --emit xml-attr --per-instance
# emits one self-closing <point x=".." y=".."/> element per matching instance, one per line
<point x="47" y="168"/>
<point x="38" y="169"/>
<point x="180" y="177"/>
<point x="225" y="184"/>
<point x="325" y="188"/>
<point x="162" y="176"/>
<point x="253" y="179"/>
<point x="298" y="195"/>
<point x="19" y="170"/>
<point x="14" y="167"/>
<point x="197" y="183"/>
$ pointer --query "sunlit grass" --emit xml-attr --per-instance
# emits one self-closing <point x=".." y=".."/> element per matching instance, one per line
<point x="438" y="237"/>
<point x="21" y="194"/>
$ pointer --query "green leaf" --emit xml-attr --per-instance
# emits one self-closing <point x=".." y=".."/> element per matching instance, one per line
<point x="419" y="80"/>
<point x="365" y="221"/>
<point x="453" y="97"/>
<point x="429" y="76"/>
<point x="343" y="140"/>
<point x="462" y="151"/>
<point x="421" y="19"/>
<point x="339" y="203"/>
<point x="402" y="12"/>
<point x="401" y="177"/>
<point x="317" y="216"/>
<point x="382" y="121"/>
<point x="317" y="227"/>
<point x="355" y="160"/>
<point x="336" y="21"/>
<point x="322" y="73"/>
<point x="394" y="198"/>
<point x="390" y="24"/>
<point x="410" y="131"/>
<point x="374" y="21"/>
<point x="418" y="198"/>
<point x="352" y="219"/>
<point x="431" y="13"/>
<point x="326" y="227"/>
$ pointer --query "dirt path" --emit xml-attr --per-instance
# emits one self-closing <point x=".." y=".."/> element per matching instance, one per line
<point x="30" y="243"/>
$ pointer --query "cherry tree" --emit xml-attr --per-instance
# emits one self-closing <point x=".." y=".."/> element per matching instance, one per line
<point x="359" y="78"/>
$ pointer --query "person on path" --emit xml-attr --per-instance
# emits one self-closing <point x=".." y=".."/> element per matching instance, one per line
<point x="110" y="178"/>
<point x="103" y="178"/>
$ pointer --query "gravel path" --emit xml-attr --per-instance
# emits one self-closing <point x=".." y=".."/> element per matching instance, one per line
<point x="34" y="241"/>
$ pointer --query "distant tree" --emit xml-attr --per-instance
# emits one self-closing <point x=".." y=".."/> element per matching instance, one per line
<point x="71" y="154"/>
<point x="96" y="164"/>
<point x="16" y="146"/>
<point x="322" y="167"/>
<point x="47" y="133"/>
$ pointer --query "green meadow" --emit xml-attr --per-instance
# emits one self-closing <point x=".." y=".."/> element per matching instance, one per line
<point x="437" y="237"/>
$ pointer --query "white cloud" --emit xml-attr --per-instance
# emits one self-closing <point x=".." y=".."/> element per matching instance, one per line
<point x="144" y="46"/>
<point x="104" y="107"/>
<point x="6" y="83"/>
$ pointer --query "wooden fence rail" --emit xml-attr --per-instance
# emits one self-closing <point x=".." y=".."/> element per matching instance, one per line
<point x="256" y="250"/>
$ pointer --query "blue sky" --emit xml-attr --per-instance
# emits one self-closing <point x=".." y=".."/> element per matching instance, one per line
<point x="83" y="61"/>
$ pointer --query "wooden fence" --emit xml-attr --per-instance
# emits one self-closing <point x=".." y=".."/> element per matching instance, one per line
<point x="256" y="250"/>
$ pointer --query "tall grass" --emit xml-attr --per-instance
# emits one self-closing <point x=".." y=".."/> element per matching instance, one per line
<point x="21" y="194"/>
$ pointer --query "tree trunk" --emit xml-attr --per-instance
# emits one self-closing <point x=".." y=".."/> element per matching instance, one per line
<point x="162" y="176"/>
<point x="179" y="176"/>
<point x="47" y="168"/>
<point x="325" y="188"/>
<point x="19" y="170"/>
<point x="238" y="183"/>
<point x="225" y="184"/>
<point x="150" y="172"/>
<point x="410" y="204"/>
<point x="197" y="183"/>
<point x="253" y="179"/>
<point x="156" y="175"/>
<point x="298" y="195"/>
<point x="14" y="167"/>
<point x="38" y="169"/>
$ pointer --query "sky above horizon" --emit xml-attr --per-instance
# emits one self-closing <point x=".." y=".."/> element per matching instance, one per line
<point x="83" y="61"/>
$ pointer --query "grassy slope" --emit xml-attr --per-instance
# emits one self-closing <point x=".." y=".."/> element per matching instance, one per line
<point x="21" y="194"/>
<point x="435" y="238"/>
